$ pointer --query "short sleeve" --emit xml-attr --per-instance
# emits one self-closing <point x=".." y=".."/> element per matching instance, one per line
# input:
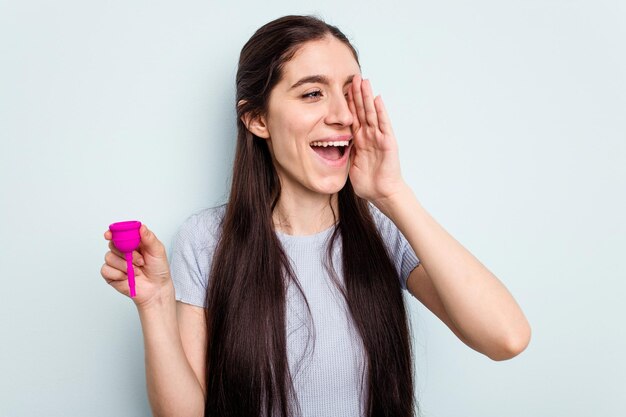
<point x="191" y="256"/>
<point x="400" y="251"/>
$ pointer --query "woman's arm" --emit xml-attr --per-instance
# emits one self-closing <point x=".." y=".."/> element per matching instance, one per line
<point x="192" y="326"/>
<point x="455" y="286"/>
<point x="173" y="386"/>
<point x="453" y="283"/>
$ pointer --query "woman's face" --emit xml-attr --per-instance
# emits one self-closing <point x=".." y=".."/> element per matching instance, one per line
<point x="305" y="112"/>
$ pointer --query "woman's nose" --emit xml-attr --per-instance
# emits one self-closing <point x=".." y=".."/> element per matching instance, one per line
<point x="338" y="111"/>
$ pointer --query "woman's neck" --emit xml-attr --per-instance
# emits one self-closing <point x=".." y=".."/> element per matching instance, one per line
<point x="302" y="213"/>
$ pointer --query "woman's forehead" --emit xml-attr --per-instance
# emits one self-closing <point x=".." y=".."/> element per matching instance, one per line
<point x="330" y="60"/>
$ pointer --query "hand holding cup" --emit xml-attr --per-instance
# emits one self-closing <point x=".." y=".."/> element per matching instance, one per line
<point x="136" y="264"/>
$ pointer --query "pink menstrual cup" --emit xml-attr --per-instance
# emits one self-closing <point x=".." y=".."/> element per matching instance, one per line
<point x="126" y="239"/>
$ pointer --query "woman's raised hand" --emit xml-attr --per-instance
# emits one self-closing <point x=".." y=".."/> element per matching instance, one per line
<point x="152" y="271"/>
<point x="375" y="170"/>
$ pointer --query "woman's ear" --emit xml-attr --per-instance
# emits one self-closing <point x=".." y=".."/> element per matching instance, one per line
<point x="256" y="125"/>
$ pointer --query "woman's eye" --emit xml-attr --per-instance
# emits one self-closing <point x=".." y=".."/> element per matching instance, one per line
<point x="312" y="94"/>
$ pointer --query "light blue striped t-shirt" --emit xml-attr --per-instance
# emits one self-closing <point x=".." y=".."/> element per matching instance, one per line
<point x="326" y="357"/>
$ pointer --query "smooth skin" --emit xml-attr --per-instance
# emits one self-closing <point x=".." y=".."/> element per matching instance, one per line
<point x="171" y="373"/>
<point x="449" y="281"/>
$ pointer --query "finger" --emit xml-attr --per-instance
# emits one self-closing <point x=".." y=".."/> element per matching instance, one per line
<point x="113" y="249"/>
<point x="384" y="123"/>
<point x="149" y="244"/>
<point x="121" y="287"/>
<point x="368" y="103"/>
<point x="111" y="274"/>
<point x="358" y="99"/>
<point x="355" y="118"/>
<point x="108" y="235"/>
<point x="119" y="263"/>
<point x="352" y="154"/>
<point x="115" y="261"/>
<point x="137" y="257"/>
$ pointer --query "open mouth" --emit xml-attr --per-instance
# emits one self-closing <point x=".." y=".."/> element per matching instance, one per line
<point x="331" y="151"/>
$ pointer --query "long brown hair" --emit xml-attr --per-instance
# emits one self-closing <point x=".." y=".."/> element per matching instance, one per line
<point x="247" y="371"/>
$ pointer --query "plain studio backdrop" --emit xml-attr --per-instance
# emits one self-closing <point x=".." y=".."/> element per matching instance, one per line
<point x="510" y="119"/>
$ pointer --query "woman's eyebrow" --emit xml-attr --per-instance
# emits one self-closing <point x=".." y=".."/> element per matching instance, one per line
<point x="322" y="79"/>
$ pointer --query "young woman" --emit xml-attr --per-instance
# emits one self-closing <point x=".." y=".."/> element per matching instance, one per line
<point x="287" y="300"/>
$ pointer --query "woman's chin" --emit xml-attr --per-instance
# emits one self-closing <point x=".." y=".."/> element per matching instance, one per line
<point x="331" y="186"/>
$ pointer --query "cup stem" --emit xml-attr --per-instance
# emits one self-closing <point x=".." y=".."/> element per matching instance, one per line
<point x="130" y="271"/>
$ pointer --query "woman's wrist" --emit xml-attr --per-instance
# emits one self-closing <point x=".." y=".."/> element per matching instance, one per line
<point x="389" y="204"/>
<point x="162" y="300"/>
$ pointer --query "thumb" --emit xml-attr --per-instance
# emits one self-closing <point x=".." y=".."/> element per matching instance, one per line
<point x="149" y="244"/>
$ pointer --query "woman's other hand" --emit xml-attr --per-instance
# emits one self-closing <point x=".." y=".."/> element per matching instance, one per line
<point x="152" y="271"/>
<point x="375" y="170"/>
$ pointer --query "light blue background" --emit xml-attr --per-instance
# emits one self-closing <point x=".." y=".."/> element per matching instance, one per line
<point x="510" y="117"/>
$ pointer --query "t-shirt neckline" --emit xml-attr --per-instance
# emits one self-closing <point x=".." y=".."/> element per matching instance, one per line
<point x="303" y="238"/>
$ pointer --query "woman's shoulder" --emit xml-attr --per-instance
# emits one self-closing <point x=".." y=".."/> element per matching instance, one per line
<point x="382" y="222"/>
<point x="203" y="226"/>
<point x="389" y="232"/>
<point x="192" y="252"/>
<point x="398" y="248"/>
<point x="209" y="216"/>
